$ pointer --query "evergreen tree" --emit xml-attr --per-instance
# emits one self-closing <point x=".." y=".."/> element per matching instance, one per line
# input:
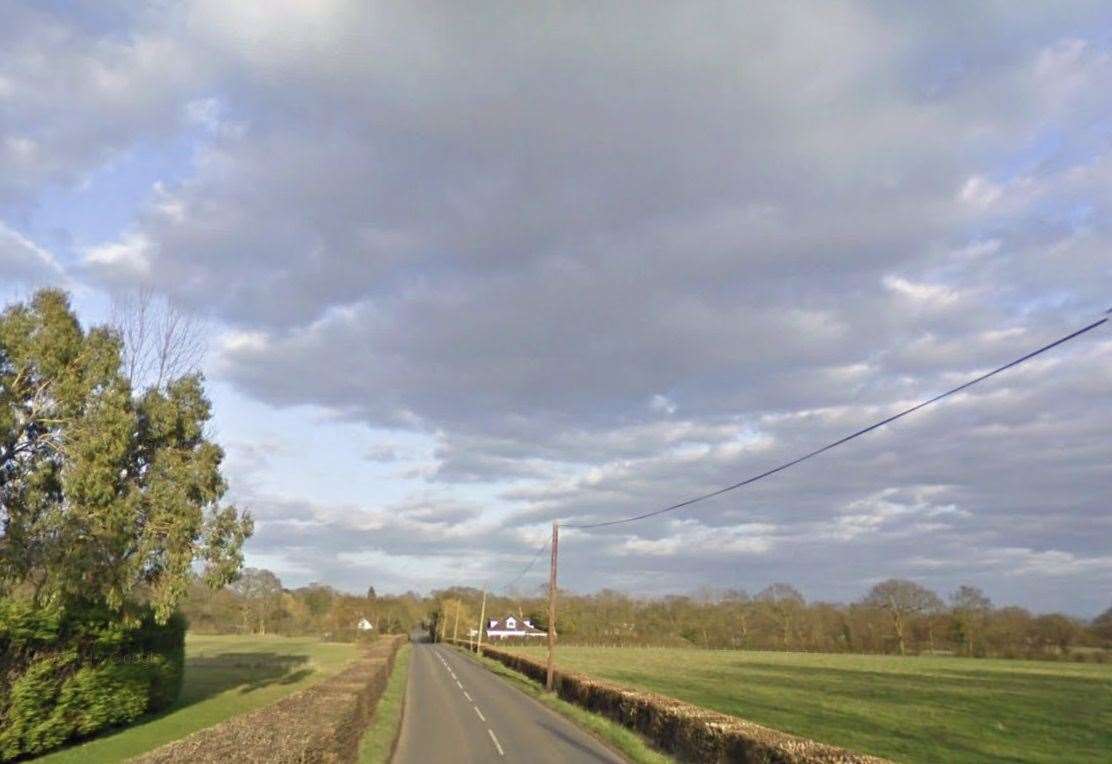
<point x="104" y="496"/>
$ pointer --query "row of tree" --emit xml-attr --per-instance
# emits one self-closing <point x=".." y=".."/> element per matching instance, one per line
<point x="895" y="616"/>
<point x="257" y="603"/>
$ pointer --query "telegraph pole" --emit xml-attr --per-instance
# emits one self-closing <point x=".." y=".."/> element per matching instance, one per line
<point x="482" y="623"/>
<point x="552" y="608"/>
<point x="455" y="626"/>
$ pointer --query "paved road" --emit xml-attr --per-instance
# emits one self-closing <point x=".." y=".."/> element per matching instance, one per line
<point x="458" y="711"/>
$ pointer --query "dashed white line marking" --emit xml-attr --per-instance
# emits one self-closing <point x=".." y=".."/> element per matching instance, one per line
<point x="496" y="743"/>
<point x="480" y="713"/>
<point x="459" y="685"/>
<point x="467" y="696"/>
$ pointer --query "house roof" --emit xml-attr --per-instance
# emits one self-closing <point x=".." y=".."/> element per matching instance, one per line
<point x="520" y="624"/>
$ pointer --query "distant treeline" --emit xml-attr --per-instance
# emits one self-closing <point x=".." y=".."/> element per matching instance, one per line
<point x="895" y="616"/>
<point x="257" y="603"/>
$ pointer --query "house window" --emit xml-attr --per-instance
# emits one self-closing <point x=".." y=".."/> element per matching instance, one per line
<point x="511" y="623"/>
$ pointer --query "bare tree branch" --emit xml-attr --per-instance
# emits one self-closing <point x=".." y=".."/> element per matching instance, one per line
<point x="162" y="341"/>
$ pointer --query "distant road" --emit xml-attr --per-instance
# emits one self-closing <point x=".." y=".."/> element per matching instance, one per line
<point x="457" y="711"/>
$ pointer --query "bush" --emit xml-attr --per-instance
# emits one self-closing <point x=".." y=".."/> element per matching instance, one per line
<point x="69" y="672"/>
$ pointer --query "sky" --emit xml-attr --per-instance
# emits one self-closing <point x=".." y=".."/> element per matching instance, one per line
<point x="467" y="268"/>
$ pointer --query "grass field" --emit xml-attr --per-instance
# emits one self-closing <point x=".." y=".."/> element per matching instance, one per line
<point x="908" y="709"/>
<point x="224" y="676"/>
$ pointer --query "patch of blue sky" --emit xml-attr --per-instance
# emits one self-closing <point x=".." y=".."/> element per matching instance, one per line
<point x="92" y="17"/>
<point x="302" y="452"/>
<point x="107" y="201"/>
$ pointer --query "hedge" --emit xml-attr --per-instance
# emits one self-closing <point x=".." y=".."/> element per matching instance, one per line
<point x="68" y="672"/>
<point x="320" y="724"/>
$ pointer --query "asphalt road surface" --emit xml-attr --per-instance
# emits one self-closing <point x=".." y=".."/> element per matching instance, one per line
<point x="458" y="711"/>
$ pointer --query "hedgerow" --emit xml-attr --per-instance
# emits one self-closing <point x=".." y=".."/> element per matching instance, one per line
<point x="69" y="672"/>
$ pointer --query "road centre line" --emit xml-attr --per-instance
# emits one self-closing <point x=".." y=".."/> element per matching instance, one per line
<point x="496" y="743"/>
<point x="482" y="718"/>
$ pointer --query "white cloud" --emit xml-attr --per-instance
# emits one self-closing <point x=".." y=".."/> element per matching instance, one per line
<point x="130" y="257"/>
<point x="936" y="295"/>
<point x="980" y="192"/>
<point x="246" y="342"/>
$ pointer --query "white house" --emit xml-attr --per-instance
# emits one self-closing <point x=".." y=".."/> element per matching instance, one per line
<point x="510" y="627"/>
<point x="364" y="625"/>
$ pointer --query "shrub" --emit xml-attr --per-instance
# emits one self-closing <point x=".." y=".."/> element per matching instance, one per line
<point x="69" y="672"/>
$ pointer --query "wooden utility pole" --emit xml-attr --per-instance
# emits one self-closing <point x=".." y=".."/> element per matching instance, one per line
<point x="552" y="608"/>
<point x="482" y="623"/>
<point x="455" y="626"/>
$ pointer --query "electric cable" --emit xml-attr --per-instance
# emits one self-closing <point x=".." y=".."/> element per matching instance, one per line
<point x="847" y="438"/>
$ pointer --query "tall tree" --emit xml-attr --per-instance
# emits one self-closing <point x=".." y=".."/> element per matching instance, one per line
<point x="970" y="608"/>
<point x="1055" y="632"/>
<point x="260" y="592"/>
<point x="1102" y="626"/>
<point x="902" y="600"/>
<point x="784" y="603"/>
<point x="103" y="495"/>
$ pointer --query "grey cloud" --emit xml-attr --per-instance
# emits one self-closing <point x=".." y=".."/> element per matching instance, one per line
<point x="78" y="88"/>
<point x="511" y="230"/>
<point x="381" y="453"/>
<point x="24" y="262"/>
<point x="672" y="152"/>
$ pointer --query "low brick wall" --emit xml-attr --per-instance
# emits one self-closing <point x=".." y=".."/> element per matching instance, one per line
<point x="322" y="723"/>
<point x="686" y="731"/>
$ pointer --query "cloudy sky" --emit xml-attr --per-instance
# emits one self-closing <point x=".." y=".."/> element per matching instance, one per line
<point x="469" y="267"/>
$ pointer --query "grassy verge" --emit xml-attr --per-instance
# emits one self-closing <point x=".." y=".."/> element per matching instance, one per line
<point x="378" y="742"/>
<point x="629" y="743"/>
<point x="224" y="676"/>
<point x="920" y="709"/>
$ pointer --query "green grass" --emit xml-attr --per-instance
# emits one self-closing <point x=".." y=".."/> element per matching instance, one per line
<point x="909" y="709"/>
<point x="618" y="737"/>
<point x="224" y="676"/>
<point x="378" y="741"/>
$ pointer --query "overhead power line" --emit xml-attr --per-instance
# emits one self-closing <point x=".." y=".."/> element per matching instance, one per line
<point x="528" y="567"/>
<point x="847" y="438"/>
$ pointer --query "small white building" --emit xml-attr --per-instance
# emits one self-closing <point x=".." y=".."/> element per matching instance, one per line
<point x="364" y="625"/>
<point x="512" y="628"/>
